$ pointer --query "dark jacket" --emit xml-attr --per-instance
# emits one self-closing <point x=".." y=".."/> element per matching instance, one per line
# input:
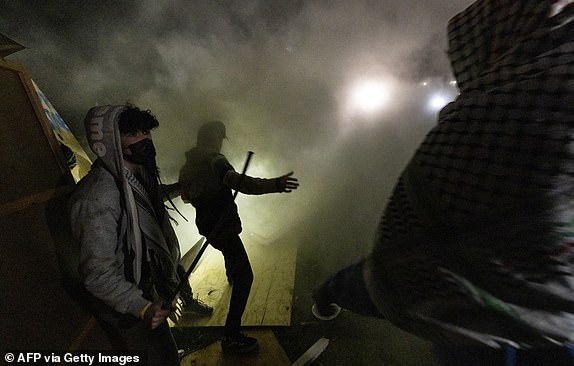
<point x="201" y="182"/>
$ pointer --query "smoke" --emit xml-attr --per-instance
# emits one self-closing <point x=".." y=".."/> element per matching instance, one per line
<point x="279" y="74"/>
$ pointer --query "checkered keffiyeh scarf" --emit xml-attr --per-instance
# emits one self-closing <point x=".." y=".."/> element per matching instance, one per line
<point x="477" y="241"/>
<point x="160" y="241"/>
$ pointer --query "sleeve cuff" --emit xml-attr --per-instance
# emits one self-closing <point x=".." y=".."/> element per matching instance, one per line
<point x="144" y="309"/>
<point x="137" y="306"/>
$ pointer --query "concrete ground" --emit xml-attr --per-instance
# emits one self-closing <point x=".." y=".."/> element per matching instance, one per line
<point x="354" y="339"/>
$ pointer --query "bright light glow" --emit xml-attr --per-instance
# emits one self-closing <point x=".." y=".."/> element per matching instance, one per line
<point x="369" y="97"/>
<point x="437" y="101"/>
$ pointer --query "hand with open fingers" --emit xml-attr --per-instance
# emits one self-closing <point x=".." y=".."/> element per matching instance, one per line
<point x="156" y="314"/>
<point x="287" y="183"/>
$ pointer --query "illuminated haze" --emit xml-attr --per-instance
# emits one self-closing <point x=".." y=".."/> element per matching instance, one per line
<point x="334" y="90"/>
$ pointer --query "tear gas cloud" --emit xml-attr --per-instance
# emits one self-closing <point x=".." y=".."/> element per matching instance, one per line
<point x="341" y="92"/>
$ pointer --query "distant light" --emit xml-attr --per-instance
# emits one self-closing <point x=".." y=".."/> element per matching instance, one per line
<point x="370" y="96"/>
<point x="452" y="83"/>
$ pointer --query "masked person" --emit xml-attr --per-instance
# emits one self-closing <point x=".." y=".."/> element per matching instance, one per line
<point x="129" y="253"/>
<point x="206" y="181"/>
<point x="475" y="247"/>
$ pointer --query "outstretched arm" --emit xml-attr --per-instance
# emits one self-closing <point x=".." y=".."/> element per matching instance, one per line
<point x="287" y="182"/>
<point x="251" y="185"/>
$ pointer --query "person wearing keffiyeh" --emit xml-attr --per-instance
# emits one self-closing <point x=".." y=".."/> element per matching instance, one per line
<point x="475" y="249"/>
<point x="129" y="253"/>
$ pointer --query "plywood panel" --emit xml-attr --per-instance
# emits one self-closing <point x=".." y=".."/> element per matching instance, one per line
<point x="29" y="161"/>
<point x="271" y="295"/>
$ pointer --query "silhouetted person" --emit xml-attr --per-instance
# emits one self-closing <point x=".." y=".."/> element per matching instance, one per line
<point x="206" y="181"/>
<point x="476" y="245"/>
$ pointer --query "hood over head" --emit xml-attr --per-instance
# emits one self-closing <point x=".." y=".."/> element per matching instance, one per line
<point x="103" y="136"/>
<point x="491" y="36"/>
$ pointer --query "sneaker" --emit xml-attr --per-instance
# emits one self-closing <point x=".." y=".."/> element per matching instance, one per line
<point x="323" y="309"/>
<point x="175" y="315"/>
<point x="196" y="306"/>
<point x="239" y="343"/>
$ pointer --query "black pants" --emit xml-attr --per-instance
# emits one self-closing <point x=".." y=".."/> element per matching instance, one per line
<point x="128" y="333"/>
<point x="240" y="274"/>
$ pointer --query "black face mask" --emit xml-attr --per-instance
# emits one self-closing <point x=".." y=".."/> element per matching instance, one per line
<point x="143" y="153"/>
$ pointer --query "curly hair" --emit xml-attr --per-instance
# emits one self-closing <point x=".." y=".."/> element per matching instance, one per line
<point x="134" y="119"/>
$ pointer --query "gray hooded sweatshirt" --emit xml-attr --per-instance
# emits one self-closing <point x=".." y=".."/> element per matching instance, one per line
<point x="113" y="222"/>
<point x="476" y="244"/>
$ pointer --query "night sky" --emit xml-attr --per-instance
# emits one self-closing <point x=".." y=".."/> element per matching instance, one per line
<point x="340" y="91"/>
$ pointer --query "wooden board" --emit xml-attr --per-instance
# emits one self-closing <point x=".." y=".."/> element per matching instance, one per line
<point x="269" y="353"/>
<point x="271" y="295"/>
